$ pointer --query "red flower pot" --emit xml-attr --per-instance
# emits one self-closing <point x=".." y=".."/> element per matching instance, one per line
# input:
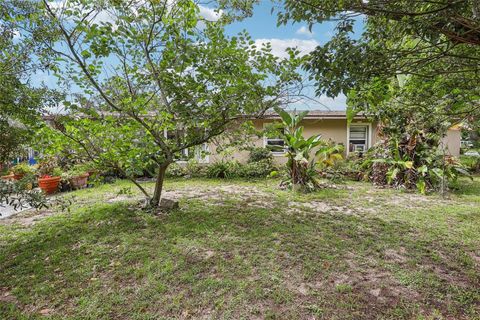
<point x="49" y="185"/>
<point x="79" y="182"/>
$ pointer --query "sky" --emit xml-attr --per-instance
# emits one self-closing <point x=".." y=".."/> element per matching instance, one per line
<point x="262" y="27"/>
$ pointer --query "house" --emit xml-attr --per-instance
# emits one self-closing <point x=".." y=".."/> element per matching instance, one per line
<point x="358" y="136"/>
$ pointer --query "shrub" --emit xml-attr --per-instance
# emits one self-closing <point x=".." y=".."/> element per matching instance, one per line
<point x="260" y="154"/>
<point x="194" y="169"/>
<point x="47" y="167"/>
<point x="411" y="164"/>
<point x="258" y="169"/>
<point x="22" y="169"/>
<point x="471" y="163"/>
<point x="224" y="169"/>
<point x="176" y="171"/>
<point x="75" y="171"/>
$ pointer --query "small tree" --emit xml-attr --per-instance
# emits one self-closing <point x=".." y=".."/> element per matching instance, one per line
<point x="156" y="82"/>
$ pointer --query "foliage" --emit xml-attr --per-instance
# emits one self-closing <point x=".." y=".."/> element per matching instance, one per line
<point x="22" y="168"/>
<point x="259" y="154"/>
<point x="329" y="154"/>
<point x="258" y="169"/>
<point x="76" y="170"/>
<point x="301" y="163"/>
<point x="176" y="170"/>
<point x="18" y="195"/>
<point x="437" y="40"/>
<point x="350" y="169"/>
<point x="471" y="163"/>
<point x="48" y="167"/>
<point x="223" y="169"/>
<point x="21" y="103"/>
<point x="412" y="162"/>
<point x="170" y="84"/>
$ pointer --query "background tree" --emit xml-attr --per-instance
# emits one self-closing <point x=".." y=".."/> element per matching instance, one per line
<point x="157" y="79"/>
<point x="20" y="102"/>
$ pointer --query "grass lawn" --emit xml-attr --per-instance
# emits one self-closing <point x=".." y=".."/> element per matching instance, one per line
<point x="246" y="250"/>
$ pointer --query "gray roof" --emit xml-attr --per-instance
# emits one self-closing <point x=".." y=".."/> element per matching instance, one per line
<point x="317" y="114"/>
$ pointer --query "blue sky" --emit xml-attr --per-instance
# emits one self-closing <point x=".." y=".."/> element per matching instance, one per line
<point x="262" y="26"/>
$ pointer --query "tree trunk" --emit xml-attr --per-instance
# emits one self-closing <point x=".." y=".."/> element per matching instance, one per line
<point x="155" y="201"/>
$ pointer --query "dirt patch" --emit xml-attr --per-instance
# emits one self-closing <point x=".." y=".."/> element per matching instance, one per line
<point x="397" y="256"/>
<point x="28" y="218"/>
<point x="7" y="297"/>
<point x="377" y="285"/>
<point x="249" y="196"/>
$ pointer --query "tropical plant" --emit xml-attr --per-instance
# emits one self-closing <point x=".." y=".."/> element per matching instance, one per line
<point x="48" y="167"/>
<point x="301" y="152"/>
<point x="411" y="164"/>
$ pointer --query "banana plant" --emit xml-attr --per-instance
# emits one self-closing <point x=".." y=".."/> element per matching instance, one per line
<point x="302" y="153"/>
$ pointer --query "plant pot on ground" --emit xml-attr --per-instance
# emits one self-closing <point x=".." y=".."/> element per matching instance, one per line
<point x="49" y="184"/>
<point x="20" y="170"/>
<point x="77" y="176"/>
<point x="49" y="176"/>
<point x="79" y="182"/>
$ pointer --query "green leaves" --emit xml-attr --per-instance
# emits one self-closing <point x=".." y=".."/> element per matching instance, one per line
<point x="156" y="80"/>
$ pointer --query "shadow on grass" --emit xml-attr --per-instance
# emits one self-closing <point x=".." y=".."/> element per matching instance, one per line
<point x="234" y="261"/>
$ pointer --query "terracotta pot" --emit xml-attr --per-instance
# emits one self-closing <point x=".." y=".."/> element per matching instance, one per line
<point x="49" y="185"/>
<point x="8" y="177"/>
<point x="79" y="182"/>
<point x="18" y="176"/>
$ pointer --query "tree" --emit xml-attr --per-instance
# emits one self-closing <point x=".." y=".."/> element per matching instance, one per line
<point x="435" y="41"/>
<point x="20" y="102"/>
<point x="156" y="79"/>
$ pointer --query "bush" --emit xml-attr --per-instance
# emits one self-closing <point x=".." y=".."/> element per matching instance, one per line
<point x="260" y="154"/>
<point x="22" y="169"/>
<point x="471" y="163"/>
<point x="176" y="171"/>
<point x="194" y="169"/>
<point x="259" y="169"/>
<point x="349" y="169"/>
<point x="224" y="169"/>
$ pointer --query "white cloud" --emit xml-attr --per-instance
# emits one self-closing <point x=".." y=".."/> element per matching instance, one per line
<point x="304" y="31"/>
<point x="280" y="45"/>
<point x="210" y="14"/>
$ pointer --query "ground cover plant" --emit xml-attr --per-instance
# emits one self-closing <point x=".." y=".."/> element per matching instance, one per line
<point x="237" y="249"/>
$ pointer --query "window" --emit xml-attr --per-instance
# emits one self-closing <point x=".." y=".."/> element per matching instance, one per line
<point x="275" y="144"/>
<point x="358" y="138"/>
<point x="202" y="153"/>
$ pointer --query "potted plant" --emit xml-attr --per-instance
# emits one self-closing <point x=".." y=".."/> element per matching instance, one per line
<point x="49" y="176"/>
<point x="77" y="176"/>
<point x="20" y="170"/>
